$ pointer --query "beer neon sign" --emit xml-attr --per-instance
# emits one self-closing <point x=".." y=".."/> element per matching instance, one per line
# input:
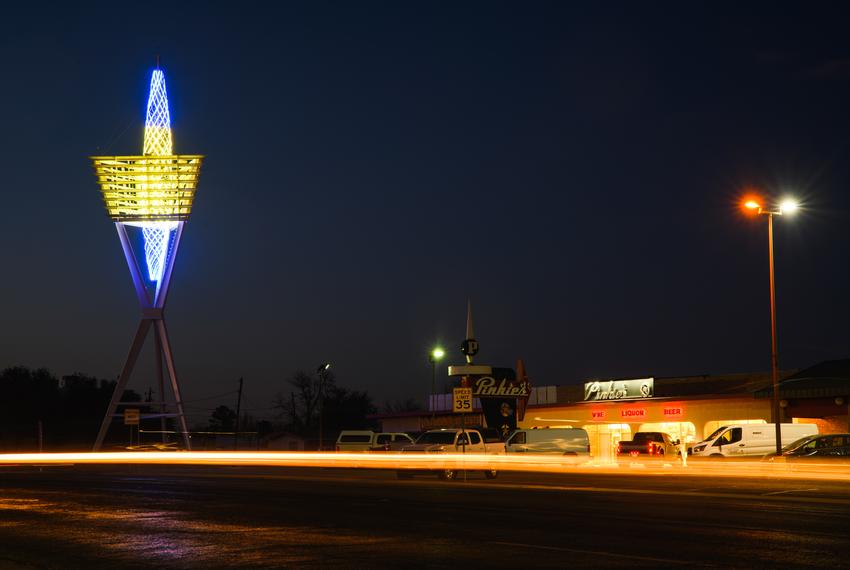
<point x="673" y="412"/>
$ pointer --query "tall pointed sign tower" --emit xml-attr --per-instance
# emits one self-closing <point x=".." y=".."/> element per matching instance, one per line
<point x="502" y="392"/>
<point x="150" y="198"/>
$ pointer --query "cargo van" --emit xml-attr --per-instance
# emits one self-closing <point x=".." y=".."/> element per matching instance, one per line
<point x="749" y="439"/>
<point x="560" y="441"/>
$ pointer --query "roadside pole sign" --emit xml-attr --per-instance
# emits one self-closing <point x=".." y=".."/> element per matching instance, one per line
<point x="131" y="417"/>
<point x="462" y="398"/>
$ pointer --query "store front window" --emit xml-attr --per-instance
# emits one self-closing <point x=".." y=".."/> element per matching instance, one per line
<point x="676" y="430"/>
<point x="604" y="439"/>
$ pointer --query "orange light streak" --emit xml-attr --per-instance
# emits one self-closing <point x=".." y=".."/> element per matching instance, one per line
<point x="426" y="461"/>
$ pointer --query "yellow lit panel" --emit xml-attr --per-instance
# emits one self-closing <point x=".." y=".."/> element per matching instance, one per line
<point x="148" y="187"/>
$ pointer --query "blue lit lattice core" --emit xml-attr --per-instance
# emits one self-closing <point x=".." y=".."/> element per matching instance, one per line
<point x="157" y="238"/>
<point x="158" y="122"/>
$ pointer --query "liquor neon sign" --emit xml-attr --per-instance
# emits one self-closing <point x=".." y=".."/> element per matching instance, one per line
<point x="633" y="413"/>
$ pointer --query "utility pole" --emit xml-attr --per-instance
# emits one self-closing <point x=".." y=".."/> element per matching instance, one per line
<point x="322" y="371"/>
<point x="238" y="408"/>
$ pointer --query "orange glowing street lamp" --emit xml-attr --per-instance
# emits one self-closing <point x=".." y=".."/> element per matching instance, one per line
<point x="787" y="206"/>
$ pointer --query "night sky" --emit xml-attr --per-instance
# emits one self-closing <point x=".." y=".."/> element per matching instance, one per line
<point x="573" y="169"/>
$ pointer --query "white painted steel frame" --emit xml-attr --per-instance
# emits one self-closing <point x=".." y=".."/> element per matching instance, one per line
<point x="152" y="316"/>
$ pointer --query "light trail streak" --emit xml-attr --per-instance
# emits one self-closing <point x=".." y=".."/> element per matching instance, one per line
<point x="434" y="462"/>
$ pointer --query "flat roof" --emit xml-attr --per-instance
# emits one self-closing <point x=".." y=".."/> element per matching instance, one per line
<point x="825" y="379"/>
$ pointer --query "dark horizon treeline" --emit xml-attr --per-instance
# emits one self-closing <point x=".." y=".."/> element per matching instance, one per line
<point x="69" y="408"/>
<point x="66" y="412"/>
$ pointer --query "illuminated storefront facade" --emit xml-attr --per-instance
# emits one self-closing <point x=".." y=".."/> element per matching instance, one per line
<point x="610" y="422"/>
<point x="689" y="407"/>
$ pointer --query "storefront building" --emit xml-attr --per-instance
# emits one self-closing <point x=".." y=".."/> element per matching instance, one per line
<point x="689" y="408"/>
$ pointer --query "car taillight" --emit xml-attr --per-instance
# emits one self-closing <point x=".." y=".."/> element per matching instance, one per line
<point x="618" y="448"/>
<point x="649" y="448"/>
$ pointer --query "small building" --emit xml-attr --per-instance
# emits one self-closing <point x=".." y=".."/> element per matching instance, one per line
<point x="282" y="441"/>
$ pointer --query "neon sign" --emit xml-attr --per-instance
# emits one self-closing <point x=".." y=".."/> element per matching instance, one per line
<point x="597" y="415"/>
<point x="633" y="413"/>
<point x="673" y="412"/>
<point x="619" y="389"/>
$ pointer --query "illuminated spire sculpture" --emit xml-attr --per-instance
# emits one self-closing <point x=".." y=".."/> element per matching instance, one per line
<point x="150" y="198"/>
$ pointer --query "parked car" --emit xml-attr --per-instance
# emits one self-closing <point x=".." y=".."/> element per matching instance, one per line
<point x="650" y="443"/>
<point x="833" y="445"/>
<point x="568" y="441"/>
<point x="750" y="440"/>
<point x="366" y="440"/>
<point x="391" y="442"/>
<point x="471" y="441"/>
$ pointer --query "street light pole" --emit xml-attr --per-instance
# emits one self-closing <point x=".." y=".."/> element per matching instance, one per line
<point x="436" y="354"/>
<point x="433" y="391"/>
<point x="774" y="368"/>
<point x="787" y="206"/>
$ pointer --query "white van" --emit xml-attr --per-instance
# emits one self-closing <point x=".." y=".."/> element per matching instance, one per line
<point x="749" y="439"/>
<point x="560" y="441"/>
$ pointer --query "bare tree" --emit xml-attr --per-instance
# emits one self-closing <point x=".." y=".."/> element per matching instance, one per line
<point x="300" y="408"/>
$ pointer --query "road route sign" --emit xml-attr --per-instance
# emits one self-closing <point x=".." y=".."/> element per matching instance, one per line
<point x="131" y="417"/>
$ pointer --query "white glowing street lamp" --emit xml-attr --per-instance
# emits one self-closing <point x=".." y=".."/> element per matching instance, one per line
<point x="786" y="206"/>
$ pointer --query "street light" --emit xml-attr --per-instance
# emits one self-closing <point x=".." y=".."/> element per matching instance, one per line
<point x="322" y="371"/>
<point x="436" y="355"/>
<point x="786" y="206"/>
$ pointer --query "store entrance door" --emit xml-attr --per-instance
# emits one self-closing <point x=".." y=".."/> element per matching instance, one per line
<point x="604" y="439"/>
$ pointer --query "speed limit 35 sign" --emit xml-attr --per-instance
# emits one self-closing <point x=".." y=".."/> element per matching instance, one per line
<point x="462" y="398"/>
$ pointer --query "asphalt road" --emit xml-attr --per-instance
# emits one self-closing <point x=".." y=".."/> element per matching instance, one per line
<point x="209" y="517"/>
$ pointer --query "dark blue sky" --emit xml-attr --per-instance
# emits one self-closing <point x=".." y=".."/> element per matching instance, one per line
<point x="572" y="168"/>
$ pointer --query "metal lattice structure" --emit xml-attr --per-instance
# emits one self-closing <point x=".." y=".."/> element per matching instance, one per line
<point x="157" y="238"/>
<point x="150" y="194"/>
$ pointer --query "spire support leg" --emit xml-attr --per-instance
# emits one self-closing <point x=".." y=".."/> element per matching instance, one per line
<point x="160" y="383"/>
<point x="172" y="373"/>
<point x="135" y="348"/>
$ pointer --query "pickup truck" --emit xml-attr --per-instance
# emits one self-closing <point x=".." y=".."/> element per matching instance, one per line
<point x="474" y="441"/>
<point x="653" y="443"/>
<point x="365" y="440"/>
